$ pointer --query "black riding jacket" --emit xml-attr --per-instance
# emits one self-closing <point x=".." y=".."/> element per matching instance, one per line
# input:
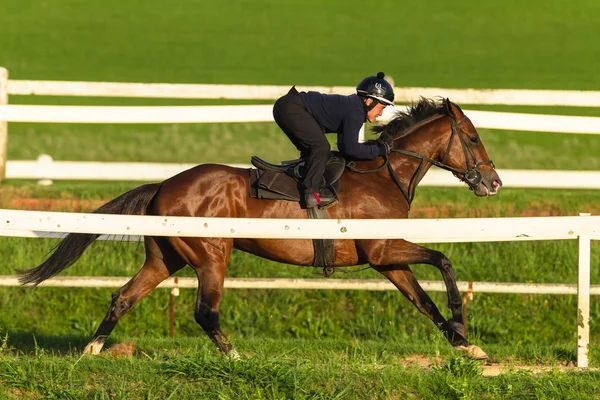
<point x="343" y="115"/>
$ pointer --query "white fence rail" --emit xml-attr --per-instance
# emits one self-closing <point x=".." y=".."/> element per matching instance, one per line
<point x="47" y="169"/>
<point x="377" y="285"/>
<point x="416" y="230"/>
<point x="576" y="98"/>
<point x="262" y="113"/>
<point x="583" y="228"/>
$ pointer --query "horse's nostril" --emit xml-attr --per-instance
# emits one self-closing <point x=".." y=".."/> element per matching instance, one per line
<point x="495" y="184"/>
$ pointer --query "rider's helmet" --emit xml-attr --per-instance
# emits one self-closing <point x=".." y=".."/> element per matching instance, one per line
<point x="376" y="88"/>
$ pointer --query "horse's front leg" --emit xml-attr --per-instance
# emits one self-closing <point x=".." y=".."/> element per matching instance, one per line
<point x="390" y="258"/>
<point x="403" y="278"/>
<point x="391" y="252"/>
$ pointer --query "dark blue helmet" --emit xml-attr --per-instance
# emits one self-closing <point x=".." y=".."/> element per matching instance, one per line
<point x="377" y="88"/>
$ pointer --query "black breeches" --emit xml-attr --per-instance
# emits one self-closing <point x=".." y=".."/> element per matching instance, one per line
<point x="306" y="134"/>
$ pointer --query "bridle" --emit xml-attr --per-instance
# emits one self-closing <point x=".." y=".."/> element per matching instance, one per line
<point x="470" y="175"/>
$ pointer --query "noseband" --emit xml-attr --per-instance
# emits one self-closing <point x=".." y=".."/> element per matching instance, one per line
<point x="470" y="175"/>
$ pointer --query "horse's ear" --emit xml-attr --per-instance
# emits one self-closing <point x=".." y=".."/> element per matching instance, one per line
<point x="453" y="110"/>
<point x="447" y="104"/>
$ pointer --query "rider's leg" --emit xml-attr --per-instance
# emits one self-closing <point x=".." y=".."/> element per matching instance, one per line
<point x="314" y="195"/>
<point x="286" y="110"/>
<point x="308" y="137"/>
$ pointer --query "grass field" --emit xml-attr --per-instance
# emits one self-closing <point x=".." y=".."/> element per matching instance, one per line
<point x="309" y="344"/>
<point x="278" y="369"/>
<point x="536" y="44"/>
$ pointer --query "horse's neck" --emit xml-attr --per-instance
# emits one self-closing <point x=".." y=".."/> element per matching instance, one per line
<point x="424" y="139"/>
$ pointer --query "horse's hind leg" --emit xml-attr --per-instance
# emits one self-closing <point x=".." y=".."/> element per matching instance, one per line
<point x="156" y="268"/>
<point x="403" y="278"/>
<point x="206" y="313"/>
<point x="210" y="262"/>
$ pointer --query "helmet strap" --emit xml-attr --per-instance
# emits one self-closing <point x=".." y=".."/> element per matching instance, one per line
<point x="370" y="106"/>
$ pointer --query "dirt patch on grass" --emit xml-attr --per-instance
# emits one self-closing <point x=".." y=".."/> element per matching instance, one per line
<point x="490" y="369"/>
<point x="11" y="192"/>
<point x="21" y="394"/>
<point x="122" y="350"/>
<point x="497" y="369"/>
<point x="70" y="205"/>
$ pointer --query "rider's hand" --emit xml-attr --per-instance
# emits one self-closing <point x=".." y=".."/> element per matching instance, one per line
<point x="384" y="148"/>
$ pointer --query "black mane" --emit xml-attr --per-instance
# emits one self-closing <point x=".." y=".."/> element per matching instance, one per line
<point x="404" y="120"/>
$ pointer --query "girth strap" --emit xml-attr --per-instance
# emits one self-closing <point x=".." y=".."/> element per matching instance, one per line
<point x="323" y="248"/>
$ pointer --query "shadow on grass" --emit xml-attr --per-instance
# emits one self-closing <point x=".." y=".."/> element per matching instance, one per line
<point x="562" y="353"/>
<point x="32" y="342"/>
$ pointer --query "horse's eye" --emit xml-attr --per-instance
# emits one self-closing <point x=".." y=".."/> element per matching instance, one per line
<point x="473" y="139"/>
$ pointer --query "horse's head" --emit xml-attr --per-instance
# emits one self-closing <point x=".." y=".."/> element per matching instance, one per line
<point x="466" y="156"/>
<point x="440" y="134"/>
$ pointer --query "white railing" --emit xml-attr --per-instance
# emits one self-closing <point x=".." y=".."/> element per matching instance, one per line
<point x="310" y="284"/>
<point x="574" y="98"/>
<point x="205" y="114"/>
<point x="416" y="230"/>
<point x="583" y="228"/>
<point x="46" y="169"/>
<point x="263" y="113"/>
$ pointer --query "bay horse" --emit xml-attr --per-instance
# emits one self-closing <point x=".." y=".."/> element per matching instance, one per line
<point x="430" y="132"/>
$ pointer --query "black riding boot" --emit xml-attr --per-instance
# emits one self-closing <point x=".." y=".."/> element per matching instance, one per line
<point x="321" y="198"/>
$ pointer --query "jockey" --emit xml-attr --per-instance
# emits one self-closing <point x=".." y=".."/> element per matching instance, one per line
<point x="306" y="116"/>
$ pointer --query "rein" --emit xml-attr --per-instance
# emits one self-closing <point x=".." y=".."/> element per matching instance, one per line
<point x="470" y="175"/>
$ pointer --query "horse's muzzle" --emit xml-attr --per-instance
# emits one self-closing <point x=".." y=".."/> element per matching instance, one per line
<point x="489" y="185"/>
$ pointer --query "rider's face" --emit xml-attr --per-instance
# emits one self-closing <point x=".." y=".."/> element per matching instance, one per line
<point x="376" y="111"/>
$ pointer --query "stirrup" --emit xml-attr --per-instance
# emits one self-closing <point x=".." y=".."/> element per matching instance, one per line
<point x="327" y="205"/>
<point x="314" y="200"/>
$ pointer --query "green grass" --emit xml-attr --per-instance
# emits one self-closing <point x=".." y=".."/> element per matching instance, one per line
<point x="271" y="369"/>
<point x="537" y="44"/>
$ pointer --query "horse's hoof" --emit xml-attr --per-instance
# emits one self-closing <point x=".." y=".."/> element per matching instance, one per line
<point x="457" y="327"/>
<point x="92" y="349"/>
<point x="473" y="352"/>
<point x="234" y="355"/>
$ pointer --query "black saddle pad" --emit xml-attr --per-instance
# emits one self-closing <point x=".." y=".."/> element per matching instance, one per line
<point x="277" y="186"/>
<point x="281" y="181"/>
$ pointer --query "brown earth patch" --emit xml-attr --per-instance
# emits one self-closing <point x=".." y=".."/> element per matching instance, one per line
<point x="497" y="369"/>
<point x="122" y="350"/>
<point x="70" y="205"/>
<point x="15" y="191"/>
<point x="491" y="369"/>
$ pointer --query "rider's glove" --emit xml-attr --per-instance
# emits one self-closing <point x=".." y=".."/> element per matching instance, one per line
<point x="384" y="148"/>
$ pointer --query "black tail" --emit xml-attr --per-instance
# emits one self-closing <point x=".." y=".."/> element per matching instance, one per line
<point x="73" y="245"/>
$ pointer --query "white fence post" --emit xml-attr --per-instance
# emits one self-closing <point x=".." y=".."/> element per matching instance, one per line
<point x="44" y="162"/>
<point x="583" y="300"/>
<point x="3" y="124"/>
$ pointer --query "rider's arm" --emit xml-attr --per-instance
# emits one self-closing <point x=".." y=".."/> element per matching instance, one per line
<point x="348" y="143"/>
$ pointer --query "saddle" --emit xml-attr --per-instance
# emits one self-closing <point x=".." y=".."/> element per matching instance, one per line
<point x="282" y="182"/>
